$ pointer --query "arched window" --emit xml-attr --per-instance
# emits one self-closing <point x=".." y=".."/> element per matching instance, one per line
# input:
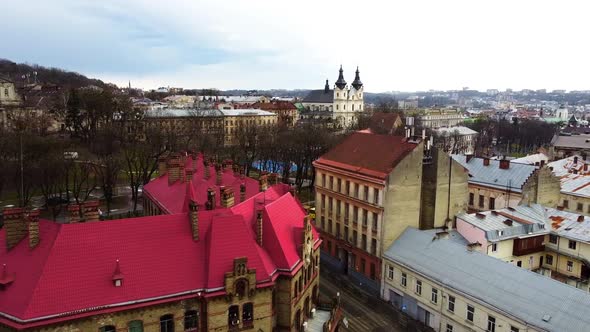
<point x="135" y="326"/>
<point x="191" y="320"/>
<point x="167" y="323"/>
<point x="108" y="328"/>
<point x="241" y="288"/>
<point x="233" y="316"/>
<point x="248" y="314"/>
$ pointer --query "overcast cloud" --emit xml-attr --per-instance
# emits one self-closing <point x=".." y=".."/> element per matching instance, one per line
<point x="398" y="45"/>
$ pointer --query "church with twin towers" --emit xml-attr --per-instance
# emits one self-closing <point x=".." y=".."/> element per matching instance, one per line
<point x="343" y="103"/>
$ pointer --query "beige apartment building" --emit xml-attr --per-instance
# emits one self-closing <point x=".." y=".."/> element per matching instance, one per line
<point x="450" y="287"/>
<point x="368" y="191"/>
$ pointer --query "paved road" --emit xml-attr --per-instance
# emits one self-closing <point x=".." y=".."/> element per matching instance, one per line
<point x="360" y="311"/>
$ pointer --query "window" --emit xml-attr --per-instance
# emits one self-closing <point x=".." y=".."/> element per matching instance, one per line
<point x="356" y="190"/>
<point x="135" y="326"/>
<point x="347" y="187"/>
<point x="375" y="196"/>
<point x="494" y="247"/>
<point x="553" y="238"/>
<point x="323" y="201"/>
<point x="451" y="304"/>
<point x="390" y="272"/>
<point x="419" y="287"/>
<point x="549" y="259"/>
<point x="471" y="198"/>
<point x="514" y="329"/>
<point x="449" y="328"/>
<point x="365" y="217"/>
<point x="330" y="226"/>
<point x="346" y="238"/>
<point x="233" y="315"/>
<point x="434" y="295"/>
<point x="330" y="205"/>
<point x="491" y="324"/>
<point x="323" y="181"/>
<point x="339" y="182"/>
<point x="362" y="269"/>
<point x="355" y="215"/>
<point x="6" y="92"/>
<point x="337" y="230"/>
<point x="570" y="266"/>
<point x="323" y="223"/>
<point x="566" y="203"/>
<point x="355" y="238"/>
<point x="519" y="263"/>
<point x="481" y="198"/>
<point x="372" y="274"/>
<point x="373" y="246"/>
<point x="580" y="207"/>
<point x="108" y="328"/>
<point x="364" y="242"/>
<point x="572" y="245"/>
<point x="404" y="279"/>
<point x="492" y="203"/>
<point x="366" y="193"/>
<point x="375" y="221"/>
<point x="248" y="314"/>
<point x="331" y="182"/>
<point x="191" y="320"/>
<point x="167" y="323"/>
<point x="470" y="312"/>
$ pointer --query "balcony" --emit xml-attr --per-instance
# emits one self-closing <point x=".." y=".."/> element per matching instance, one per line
<point x="528" y="246"/>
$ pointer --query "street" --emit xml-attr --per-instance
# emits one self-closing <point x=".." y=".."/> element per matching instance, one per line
<point x="363" y="313"/>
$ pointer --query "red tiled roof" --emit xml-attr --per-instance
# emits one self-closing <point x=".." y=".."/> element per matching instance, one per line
<point x="70" y="273"/>
<point x="172" y="197"/>
<point x="368" y="154"/>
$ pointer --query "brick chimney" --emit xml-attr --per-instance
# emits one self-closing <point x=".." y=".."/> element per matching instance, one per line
<point x="259" y="228"/>
<point x="207" y="173"/>
<point x="227" y="197"/>
<point x="73" y="213"/>
<point x="16" y="228"/>
<point x="218" y="173"/>
<point x="263" y="182"/>
<point x="504" y="164"/>
<point x="210" y="199"/>
<point x="173" y="170"/>
<point x="272" y="179"/>
<point x="194" y="216"/>
<point x="580" y="218"/>
<point x="90" y="210"/>
<point x="33" y="228"/>
<point x="242" y="192"/>
<point x="162" y="165"/>
<point x="486" y="161"/>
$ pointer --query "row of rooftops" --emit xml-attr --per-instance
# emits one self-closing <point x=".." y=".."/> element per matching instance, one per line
<point x="529" y="220"/>
<point x="185" y="112"/>
<point x="574" y="175"/>
<point x="530" y="298"/>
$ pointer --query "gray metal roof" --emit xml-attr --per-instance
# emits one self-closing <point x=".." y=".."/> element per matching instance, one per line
<point x="525" y="221"/>
<point x="574" y="142"/>
<point x="319" y="96"/>
<point x="525" y="295"/>
<point x="493" y="176"/>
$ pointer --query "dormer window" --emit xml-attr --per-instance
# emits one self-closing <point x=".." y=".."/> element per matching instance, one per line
<point x="118" y="276"/>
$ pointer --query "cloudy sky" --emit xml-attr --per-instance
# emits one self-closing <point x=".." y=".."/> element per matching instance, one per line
<point x="398" y="45"/>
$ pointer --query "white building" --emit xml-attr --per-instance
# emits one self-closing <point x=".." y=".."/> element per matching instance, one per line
<point x="343" y="103"/>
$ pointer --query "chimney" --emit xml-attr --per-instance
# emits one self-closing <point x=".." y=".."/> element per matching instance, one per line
<point x="218" y="174"/>
<point x="580" y="218"/>
<point x="173" y="170"/>
<point x="210" y="199"/>
<point x="259" y="227"/>
<point x="16" y="228"/>
<point x="242" y="192"/>
<point x="575" y="159"/>
<point x="263" y="183"/>
<point x="504" y="164"/>
<point x="162" y="165"/>
<point x="91" y="210"/>
<point x="194" y="216"/>
<point x="468" y="157"/>
<point x="73" y="213"/>
<point x="272" y="179"/>
<point x="542" y="163"/>
<point x="486" y="161"/>
<point x="227" y="197"/>
<point x="207" y="169"/>
<point x="33" y="228"/>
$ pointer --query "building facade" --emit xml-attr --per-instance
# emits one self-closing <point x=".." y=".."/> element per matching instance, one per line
<point x="456" y="140"/>
<point x="574" y="176"/>
<point x="453" y="288"/>
<point x="367" y="192"/>
<point x="342" y="104"/>
<point x="433" y="119"/>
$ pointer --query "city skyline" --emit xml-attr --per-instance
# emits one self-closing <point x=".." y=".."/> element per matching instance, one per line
<point x="266" y="45"/>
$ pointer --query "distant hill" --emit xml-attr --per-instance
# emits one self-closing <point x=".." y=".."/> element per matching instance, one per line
<point x="17" y="72"/>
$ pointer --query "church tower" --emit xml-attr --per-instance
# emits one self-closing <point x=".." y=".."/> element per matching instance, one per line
<point x="340" y="94"/>
<point x="356" y="93"/>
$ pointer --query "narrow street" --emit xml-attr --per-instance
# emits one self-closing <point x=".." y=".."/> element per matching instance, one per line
<point x="363" y="313"/>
